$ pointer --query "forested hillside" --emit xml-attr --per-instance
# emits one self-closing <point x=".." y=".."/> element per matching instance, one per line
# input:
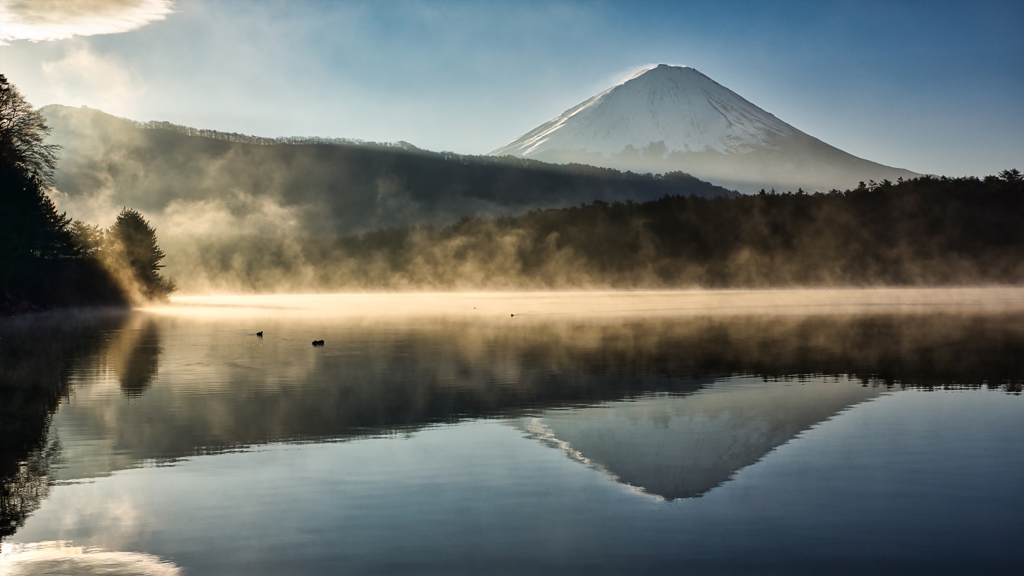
<point x="313" y="187"/>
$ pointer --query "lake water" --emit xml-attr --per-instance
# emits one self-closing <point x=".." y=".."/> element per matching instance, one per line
<point x="771" y="432"/>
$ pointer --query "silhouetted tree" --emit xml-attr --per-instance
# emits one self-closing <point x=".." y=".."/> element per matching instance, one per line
<point x="31" y="229"/>
<point x="134" y="243"/>
<point x="23" y="132"/>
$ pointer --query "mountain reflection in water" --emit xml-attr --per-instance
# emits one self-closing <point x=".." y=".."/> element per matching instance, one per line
<point x="683" y="447"/>
<point x="651" y="401"/>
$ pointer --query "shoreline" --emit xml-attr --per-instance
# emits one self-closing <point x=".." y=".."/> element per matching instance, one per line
<point x="660" y="303"/>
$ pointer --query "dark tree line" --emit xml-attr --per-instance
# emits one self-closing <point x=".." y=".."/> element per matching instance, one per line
<point x="925" y="231"/>
<point x="46" y="260"/>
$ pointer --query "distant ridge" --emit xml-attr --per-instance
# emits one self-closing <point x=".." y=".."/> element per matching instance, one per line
<point x="327" y="187"/>
<point x="672" y="118"/>
<point x="262" y="140"/>
<point x="56" y="111"/>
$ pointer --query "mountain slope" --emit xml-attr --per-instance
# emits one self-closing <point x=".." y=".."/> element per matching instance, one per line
<point x="318" y="189"/>
<point x="675" y="118"/>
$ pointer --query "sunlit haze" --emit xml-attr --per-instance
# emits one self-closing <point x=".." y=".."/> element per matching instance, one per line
<point x="555" y="306"/>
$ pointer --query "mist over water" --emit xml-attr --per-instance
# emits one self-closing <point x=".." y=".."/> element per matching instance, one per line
<point x="608" y="305"/>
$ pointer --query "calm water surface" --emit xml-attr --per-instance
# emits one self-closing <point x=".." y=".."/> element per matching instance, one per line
<point x="732" y="433"/>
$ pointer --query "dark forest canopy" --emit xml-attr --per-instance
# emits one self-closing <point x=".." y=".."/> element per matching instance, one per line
<point x="925" y="231"/>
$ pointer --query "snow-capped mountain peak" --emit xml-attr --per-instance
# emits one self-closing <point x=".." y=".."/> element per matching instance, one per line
<point x="676" y="105"/>
<point x="673" y="118"/>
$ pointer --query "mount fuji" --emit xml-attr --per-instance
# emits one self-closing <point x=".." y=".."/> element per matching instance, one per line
<point x="673" y="118"/>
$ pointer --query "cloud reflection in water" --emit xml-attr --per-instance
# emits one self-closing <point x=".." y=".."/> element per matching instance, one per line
<point x="62" y="557"/>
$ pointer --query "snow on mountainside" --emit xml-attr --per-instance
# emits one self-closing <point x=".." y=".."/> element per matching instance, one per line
<point x="678" y="106"/>
<point x="675" y="118"/>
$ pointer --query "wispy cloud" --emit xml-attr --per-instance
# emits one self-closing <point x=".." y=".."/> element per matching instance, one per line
<point x="84" y="77"/>
<point x="38" y="20"/>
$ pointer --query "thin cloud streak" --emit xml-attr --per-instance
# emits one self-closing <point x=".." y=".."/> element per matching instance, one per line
<point x="44" y="20"/>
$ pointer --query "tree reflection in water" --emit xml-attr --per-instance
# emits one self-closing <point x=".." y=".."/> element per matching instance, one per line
<point x="37" y="357"/>
<point x="220" y="389"/>
<point x="134" y="354"/>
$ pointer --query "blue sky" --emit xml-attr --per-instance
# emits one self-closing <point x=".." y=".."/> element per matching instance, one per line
<point x="934" y="87"/>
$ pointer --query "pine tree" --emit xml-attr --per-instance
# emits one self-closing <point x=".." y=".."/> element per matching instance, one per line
<point x="134" y="245"/>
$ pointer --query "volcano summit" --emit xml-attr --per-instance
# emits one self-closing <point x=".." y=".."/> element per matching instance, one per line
<point x="671" y="118"/>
